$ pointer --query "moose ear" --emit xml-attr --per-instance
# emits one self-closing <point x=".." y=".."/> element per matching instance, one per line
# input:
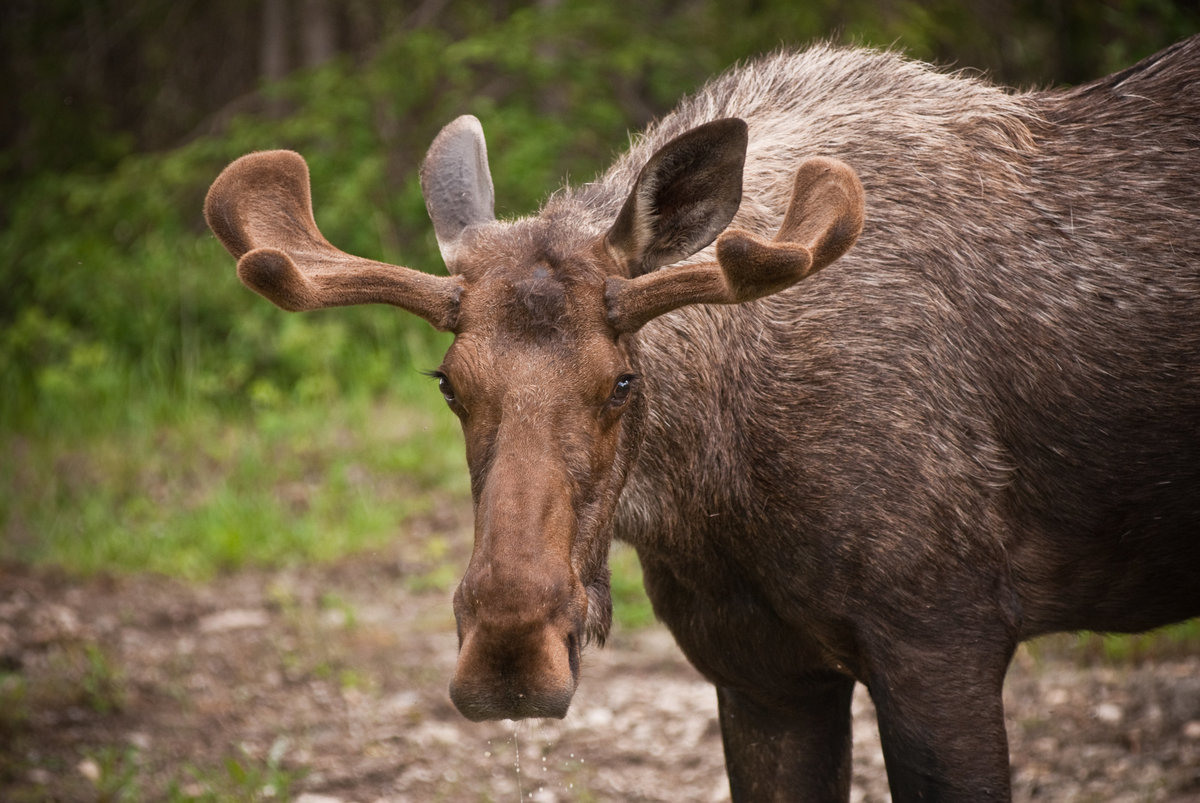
<point x="823" y="219"/>
<point x="456" y="183"/>
<point x="683" y="198"/>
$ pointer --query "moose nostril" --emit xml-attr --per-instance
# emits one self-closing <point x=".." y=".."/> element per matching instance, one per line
<point x="507" y="676"/>
<point x="573" y="655"/>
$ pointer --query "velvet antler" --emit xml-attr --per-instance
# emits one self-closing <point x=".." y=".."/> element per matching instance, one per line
<point x="824" y="218"/>
<point x="260" y="208"/>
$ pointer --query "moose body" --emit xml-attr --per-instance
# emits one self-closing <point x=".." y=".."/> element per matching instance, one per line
<point x="980" y="425"/>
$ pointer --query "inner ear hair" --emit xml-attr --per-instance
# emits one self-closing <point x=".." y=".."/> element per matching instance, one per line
<point x="682" y="199"/>
<point x="457" y="184"/>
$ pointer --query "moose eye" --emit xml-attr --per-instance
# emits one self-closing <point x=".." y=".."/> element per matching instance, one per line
<point x="447" y="389"/>
<point x="622" y="389"/>
<point x="444" y="386"/>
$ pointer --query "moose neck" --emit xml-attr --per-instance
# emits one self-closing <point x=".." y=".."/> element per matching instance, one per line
<point x="685" y="412"/>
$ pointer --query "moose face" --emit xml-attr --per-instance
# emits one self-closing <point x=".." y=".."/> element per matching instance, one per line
<point x="543" y="371"/>
<point x="543" y="386"/>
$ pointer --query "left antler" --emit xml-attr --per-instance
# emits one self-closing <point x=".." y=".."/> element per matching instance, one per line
<point x="260" y="208"/>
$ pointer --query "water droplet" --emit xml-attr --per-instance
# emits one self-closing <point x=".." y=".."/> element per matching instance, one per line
<point x="517" y="762"/>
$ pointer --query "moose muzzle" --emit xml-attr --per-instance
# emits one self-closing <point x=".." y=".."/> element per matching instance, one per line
<point x="520" y="607"/>
<point x="519" y="651"/>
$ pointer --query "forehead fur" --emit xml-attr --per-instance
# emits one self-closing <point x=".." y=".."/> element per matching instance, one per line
<point x="540" y="301"/>
<point x="514" y="250"/>
<point x="536" y="270"/>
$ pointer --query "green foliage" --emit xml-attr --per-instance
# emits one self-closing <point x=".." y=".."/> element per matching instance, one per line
<point x="241" y="778"/>
<point x="103" y="684"/>
<point x="121" y="308"/>
<point x="631" y="606"/>
<point x="1180" y="639"/>
<point x="149" y="397"/>
<point x="293" y="484"/>
<point x="14" y="705"/>
<point x="71" y="675"/>
<point x="116" y="775"/>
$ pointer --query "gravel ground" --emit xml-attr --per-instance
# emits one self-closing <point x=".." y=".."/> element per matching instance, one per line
<point x="329" y="684"/>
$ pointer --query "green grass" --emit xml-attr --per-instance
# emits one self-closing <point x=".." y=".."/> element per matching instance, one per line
<point x="211" y="492"/>
<point x="115" y="774"/>
<point x="631" y="607"/>
<point x="291" y="483"/>
<point x="283" y="482"/>
<point x="1182" y="639"/>
<point x="240" y="778"/>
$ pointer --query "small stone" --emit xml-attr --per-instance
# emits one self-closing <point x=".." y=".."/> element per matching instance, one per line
<point x="234" y="619"/>
<point x="1191" y="730"/>
<point x="1108" y="713"/>
<point x="334" y="618"/>
<point x="400" y="703"/>
<point x="1057" y="697"/>
<point x="598" y="717"/>
<point x="89" y="769"/>
<point x="53" y="623"/>
<point x="313" y="797"/>
<point x="1046" y="745"/>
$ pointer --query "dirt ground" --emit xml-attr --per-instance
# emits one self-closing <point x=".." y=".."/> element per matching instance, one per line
<point x="329" y="684"/>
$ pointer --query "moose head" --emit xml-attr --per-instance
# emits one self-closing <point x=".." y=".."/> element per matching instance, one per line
<point x="543" y="372"/>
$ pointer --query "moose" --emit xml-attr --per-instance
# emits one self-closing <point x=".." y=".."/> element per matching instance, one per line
<point x="981" y="425"/>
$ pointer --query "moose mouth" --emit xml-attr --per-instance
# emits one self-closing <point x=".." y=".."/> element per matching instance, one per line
<point x="520" y="667"/>
<point x="526" y="678"/>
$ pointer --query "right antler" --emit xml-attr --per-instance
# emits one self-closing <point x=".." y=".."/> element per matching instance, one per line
<point x="824" y="218"/>
<point x="260" y="208"/>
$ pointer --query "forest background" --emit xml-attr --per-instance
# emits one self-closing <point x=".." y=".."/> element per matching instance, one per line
<point x="167" y="436"/>
<point x="155" y="415"/>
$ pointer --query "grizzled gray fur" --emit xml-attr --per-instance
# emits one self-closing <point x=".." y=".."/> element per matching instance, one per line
<point x="979" y="424"/>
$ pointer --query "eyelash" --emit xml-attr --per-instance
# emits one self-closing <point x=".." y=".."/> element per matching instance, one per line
<point x="444" y="385"/>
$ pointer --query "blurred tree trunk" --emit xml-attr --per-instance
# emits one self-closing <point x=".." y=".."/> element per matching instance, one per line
<point x="273" y="55"/>
<point x="315" y="23"/>
<point x="319" y="32"/>
<point x="553" y="101"/>
<point x="87" y="82"/>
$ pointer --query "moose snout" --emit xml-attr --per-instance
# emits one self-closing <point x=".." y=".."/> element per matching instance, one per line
<point x="501" y="678"/>
<point x="519" y="651"/>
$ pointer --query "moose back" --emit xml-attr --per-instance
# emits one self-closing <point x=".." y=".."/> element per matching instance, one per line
<point x="880" y="370"/>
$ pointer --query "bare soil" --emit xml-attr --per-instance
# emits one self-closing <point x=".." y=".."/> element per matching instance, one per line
<point x="329" y="684"/>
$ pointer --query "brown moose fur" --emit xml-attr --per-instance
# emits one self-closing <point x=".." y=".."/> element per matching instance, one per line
<point x="981" y="424"/>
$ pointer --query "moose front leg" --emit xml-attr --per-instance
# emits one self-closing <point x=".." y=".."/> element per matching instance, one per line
<point x="942" y="730"/>
<point x="795" y="752"/>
